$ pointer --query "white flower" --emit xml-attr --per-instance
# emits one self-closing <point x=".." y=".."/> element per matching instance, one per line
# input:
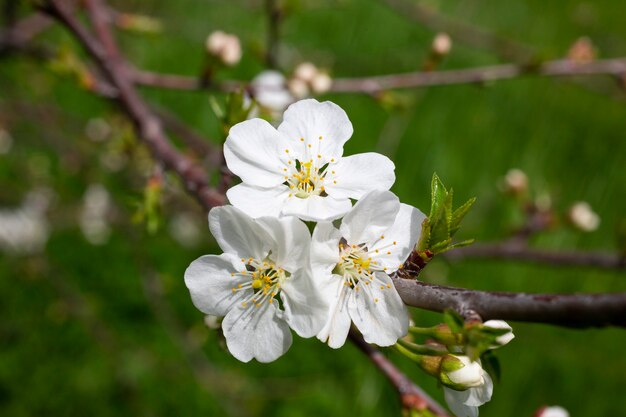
<point x="299" y="169"/>
<point x="500" y="324"/>
<point x="554" y="411"/>
<point x="351" y="267"/>
<point x="262" y="260"/>
<point x="465" y="403"/>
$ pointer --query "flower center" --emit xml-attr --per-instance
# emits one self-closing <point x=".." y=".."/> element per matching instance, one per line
<point x="265" y="281"/>
<point x="358" y="269"/>
<point x="307" y="179"/>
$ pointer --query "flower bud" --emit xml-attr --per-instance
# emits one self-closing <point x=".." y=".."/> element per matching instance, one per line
<point x="321" y="83"/>
<point x="441" y="44"/>
<point x="554" y="411"/>
<point x="515" y="181"/>
<point x="225" y="47"/>
<point x="500" y="324"/>
<point x="306" y="72"/>
<point x="298" y="88"/>
<point x="583" y="217"/>
<point x="459" y="372"/>
<point x="582" y="51"/>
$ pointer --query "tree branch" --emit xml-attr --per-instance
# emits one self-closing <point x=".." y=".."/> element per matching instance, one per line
<point x="104" y="52"/>
<point x="411" y="396"/>
<point x="569" y="310"/>
<point x="513" y="251"/>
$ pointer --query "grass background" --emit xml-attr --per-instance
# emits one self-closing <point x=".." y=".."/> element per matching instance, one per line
<point x="110" y="330"/>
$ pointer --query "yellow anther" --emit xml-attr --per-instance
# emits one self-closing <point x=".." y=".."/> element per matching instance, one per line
<point x="388" y="253"/>
<point x="395" y="243"/>
<point x="309" y="145"/>
<point x="234" y="289"/>
<point x="271" y="300"/>
<point x="286" y="150"/>
<point x="319" y="156"/>
<point x="332" y="160"/>
<point x="332" y="172"/>
<point x="334" y="182"/>
<point x="320" y="138"/>
<point x="382" y="287"/>
<point x="301" y="139"/>
<point x="388" y="285"/>
<point x="382" y="236"/>
<point x="232" y="274"/>
<point x="289" y="162"/>
<point x="256" y="284"/>
<point x="239" y="286"/>
<point x="375" y="300"/>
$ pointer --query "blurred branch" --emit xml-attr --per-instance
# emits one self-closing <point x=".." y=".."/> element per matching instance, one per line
<point x="18" y="35"/>
<point x="557" y="68"/>
<point x="569" y="310"/>
<point x="411" y="396"/>
<point x="104" y="51"/>
<point x="463" y="32"/>
<point x="512" y="250"/>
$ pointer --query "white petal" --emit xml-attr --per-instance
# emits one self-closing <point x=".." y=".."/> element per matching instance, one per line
<point x="291" y="241"/>
<point x="255" y="152"/>
<point x="370" y="217"/>
<point x="210" y="283"/>
<point x="358" y="174"/>
<point x="379" y="313"/>
<point x="325" y="248"/>
<point x="256" y="332"/>
<point x="258" y="201"/>
<point x="482" y="394"/>
<point x="405" y="232"/>
<point x="237" y="233"/>
<point x="310" y="119"/>
<point x="456" y="403"/>
<point x="337" y="326"/>
<point x="502" y="339"/>
<point x="270" y="90"/>
<point x="316" y="208"/>
<point x="305" y="310"/>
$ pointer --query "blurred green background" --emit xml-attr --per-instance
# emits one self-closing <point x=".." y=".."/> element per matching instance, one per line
<point x="99" y="322"/>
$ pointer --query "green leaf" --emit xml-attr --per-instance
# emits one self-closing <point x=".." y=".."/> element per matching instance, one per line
<point x="438" y="194"/>
<point x="459" y="214"/>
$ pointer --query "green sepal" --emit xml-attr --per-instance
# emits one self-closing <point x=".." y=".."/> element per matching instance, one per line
<point x="454" y="320"/>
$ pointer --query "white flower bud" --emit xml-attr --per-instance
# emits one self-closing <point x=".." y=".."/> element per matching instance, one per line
<point x="442" y="44"/>
<point x="501" y="324"/>
<point x="224" y="46"/>
<point x="554" y="411"/>
<point x="516" y="181"/>
<point x="306" y="72"/>
<point x="298" y="88"/>
<point x="470" y="375"/>
<point x="321" y="83"/>
<point x="583" y="217"/>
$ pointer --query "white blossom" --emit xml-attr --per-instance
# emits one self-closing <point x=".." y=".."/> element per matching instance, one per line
<point x="351" y="267"/>
<point x="25" y="230"/>
<point x="583" y="217"/>
<point x="298" y="169"/>
<point x="264" y="264"/>
<point x="93" y="216"/>
<point x="465" y="403"/>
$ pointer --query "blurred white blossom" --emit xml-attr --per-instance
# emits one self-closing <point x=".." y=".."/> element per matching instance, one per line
<point x="270" y="92"/>
<point x="582" y="216"/>
<point x="98" y="129"/>
<point x="93" y="216"/>
<point x="25" y="230"/>
<point x="307" y="77"/>
<point x="515" y="181"/>
<point x="184" y="230"/>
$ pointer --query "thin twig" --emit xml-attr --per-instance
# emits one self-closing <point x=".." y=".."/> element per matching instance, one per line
<point x="569" y="310"/>
<point x="274" y="18"/>
<point x="411" y="396"/>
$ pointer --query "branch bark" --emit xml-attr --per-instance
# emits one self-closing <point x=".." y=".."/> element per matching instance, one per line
<point x="411" y="396"/>
<point x="568" y="310"/>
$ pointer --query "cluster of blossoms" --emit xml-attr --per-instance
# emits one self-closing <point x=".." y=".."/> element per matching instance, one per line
<point x="274" y="275"/>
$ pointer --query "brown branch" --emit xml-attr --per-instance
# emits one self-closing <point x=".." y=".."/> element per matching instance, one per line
<point x="412" y="397"/>
<point x="274" y="18"/>
<point x="512" y="251"/>
<point x="569" y="310"/>
<point x="18" y="35"/>
<point x="557" y="68"/>
<point x="104" y="51"/>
